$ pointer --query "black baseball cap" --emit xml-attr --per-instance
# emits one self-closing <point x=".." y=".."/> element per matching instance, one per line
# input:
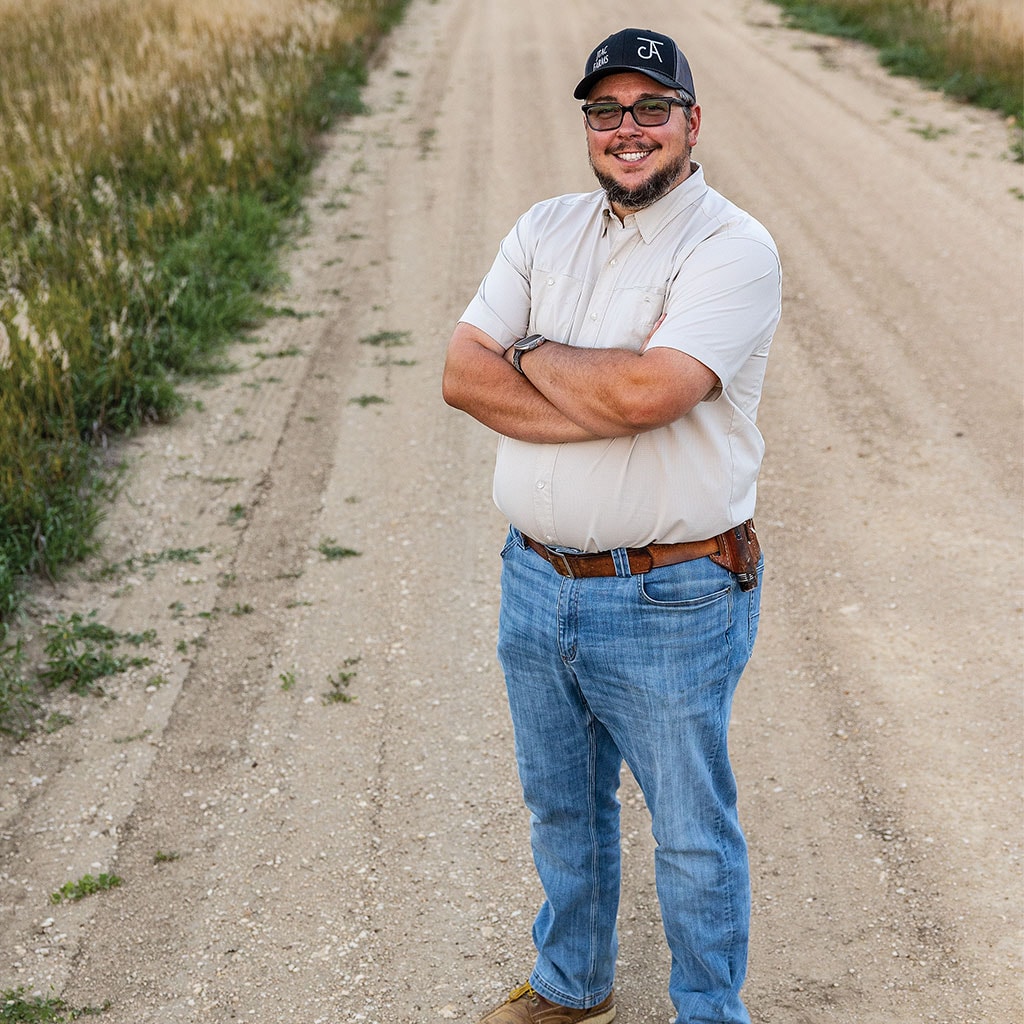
<point x="639" y="49"/>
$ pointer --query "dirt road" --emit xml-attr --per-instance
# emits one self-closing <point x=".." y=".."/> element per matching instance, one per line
<point x="290" y="857"/>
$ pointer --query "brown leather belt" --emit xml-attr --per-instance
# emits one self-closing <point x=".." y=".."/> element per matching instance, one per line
<point x="736" y="550"/>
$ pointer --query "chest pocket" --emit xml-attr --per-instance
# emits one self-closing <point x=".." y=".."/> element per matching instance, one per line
<point x="580" y="312"/>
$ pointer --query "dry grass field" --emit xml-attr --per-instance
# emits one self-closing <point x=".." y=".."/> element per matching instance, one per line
<point x="123" y="123"/>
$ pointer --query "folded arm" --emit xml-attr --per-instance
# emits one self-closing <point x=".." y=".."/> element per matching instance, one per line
<point x="480" y="381"/>
<point x="568" y="393"/>
<point x="617" y="393"/>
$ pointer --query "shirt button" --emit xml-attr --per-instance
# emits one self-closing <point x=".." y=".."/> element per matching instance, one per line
<point x="551" y="281"/>
<point x="540" y="485"/>
<point x="613" y="263"/>
<point x="593" y="316"/>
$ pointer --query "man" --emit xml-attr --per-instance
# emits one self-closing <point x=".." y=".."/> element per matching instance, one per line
<point x="618" y="346"/>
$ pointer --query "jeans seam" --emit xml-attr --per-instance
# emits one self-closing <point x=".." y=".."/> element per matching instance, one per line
<point x="595" y="908"/>
<point x="723" y="726"/>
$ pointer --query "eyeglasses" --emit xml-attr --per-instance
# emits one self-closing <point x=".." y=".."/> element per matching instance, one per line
<point x="649" y="113"/>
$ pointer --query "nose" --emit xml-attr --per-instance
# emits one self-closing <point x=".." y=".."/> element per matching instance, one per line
<point x="630" y="125"/>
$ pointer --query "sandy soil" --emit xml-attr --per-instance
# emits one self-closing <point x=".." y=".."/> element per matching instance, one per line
<point x="367" y="861"/>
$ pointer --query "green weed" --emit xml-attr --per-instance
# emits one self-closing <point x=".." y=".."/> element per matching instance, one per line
<point x="17" y="704"/>
<point x="387" y="339"/>
<point x="930" y="131"/>
<point x="79" y="651"/>
<point x="87" y="885"/>
<point x="339" y="683"/>
<point x="332" y="551"/>
<point x="285" y="353"/>
<point x="189" y="556"/>
<point x="133" y="738"/>
<point x="16" y="1007"/>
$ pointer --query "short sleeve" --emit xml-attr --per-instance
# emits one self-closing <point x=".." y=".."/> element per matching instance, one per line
<point x="724" y="303"/>
<point x="501" y="306"/>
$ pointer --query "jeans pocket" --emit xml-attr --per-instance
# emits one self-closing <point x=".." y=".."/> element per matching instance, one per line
<point x="673" y="591"/>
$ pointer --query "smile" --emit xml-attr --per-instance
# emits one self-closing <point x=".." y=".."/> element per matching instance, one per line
<point x="632" y="156"/>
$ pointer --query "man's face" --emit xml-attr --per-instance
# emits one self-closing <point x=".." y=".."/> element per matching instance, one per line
<point x="635" y="165"/>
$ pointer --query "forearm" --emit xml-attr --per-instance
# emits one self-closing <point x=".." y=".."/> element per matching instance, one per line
<point x="478" y="381"/>
<point x="618" y="393"/>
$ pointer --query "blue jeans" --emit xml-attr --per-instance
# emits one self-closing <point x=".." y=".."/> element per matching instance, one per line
<point x="642" y="669"/>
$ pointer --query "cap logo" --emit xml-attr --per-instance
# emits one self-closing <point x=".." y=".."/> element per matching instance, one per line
<point x="600" y="59"/>
<point x="650" y="52"/>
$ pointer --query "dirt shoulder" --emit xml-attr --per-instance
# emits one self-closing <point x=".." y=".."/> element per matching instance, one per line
<point x="290" y="855"/>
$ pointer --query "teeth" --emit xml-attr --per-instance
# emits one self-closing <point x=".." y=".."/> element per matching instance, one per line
<point x="632" y="157"/>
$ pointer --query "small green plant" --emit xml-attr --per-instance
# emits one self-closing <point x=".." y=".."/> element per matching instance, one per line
<point x="16" y="1007"/>
<point x="79" y="651"/>
<point x="168" y="857"/>
<point x="426" y="138"/>
<point x="133" y="738"/>
<point x="87" y="885"/>
<point x="387" y="339"/>
<point x="339" y="683"/>
<point x="16" y="702"/>
<point x="179" y="555"/>
<point x="242" y="609"/>
<point x="283" y="353"/>
<point x="332" y="551"/>
<point x="365" y="400"/>
<point x="930" y="131"/>
<point x="288" y="680"/>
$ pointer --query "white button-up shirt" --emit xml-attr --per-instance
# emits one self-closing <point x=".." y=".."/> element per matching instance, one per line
<point x="570" y="270"/>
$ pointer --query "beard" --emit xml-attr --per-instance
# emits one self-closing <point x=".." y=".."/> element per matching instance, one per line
<point x="641" y="196"/>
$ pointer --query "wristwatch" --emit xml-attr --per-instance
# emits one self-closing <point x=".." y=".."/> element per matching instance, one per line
<point x="527" y="344"/>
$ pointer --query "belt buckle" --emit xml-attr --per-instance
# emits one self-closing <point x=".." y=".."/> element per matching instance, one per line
<point x="564" y="562"/>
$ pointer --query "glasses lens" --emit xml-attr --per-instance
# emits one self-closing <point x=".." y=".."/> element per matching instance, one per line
<point x="603" y="117"/>
<point x="651" y="112"/>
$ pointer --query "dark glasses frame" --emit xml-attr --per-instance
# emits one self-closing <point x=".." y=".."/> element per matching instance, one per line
<point x="608" y="106"/>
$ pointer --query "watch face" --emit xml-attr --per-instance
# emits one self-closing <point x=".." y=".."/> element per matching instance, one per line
<point x="529" y="343"/>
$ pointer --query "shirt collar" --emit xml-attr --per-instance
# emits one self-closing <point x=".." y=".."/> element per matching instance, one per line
<point x="651" y="219"/>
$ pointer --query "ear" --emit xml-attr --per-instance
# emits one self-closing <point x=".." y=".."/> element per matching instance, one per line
<point x="694" y="126"/>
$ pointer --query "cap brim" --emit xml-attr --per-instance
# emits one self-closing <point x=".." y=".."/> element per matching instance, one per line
<point x="588" y="83"/>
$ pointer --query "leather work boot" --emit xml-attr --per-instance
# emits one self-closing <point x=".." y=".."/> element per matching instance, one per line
<point x="524" y="1006"/>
